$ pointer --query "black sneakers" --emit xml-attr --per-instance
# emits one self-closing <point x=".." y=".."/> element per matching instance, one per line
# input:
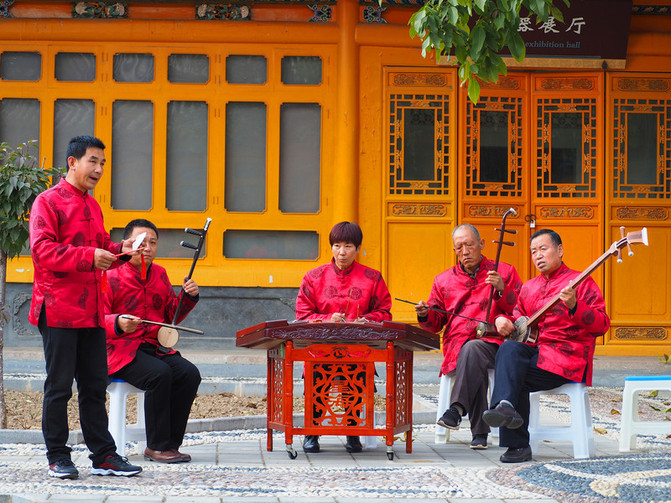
<point x="63" y="469"/>
<point x="353" y="444"/>
<point x="115" y="465"/>
<point x="311" y="443"/>
<point x="451" y="419"/>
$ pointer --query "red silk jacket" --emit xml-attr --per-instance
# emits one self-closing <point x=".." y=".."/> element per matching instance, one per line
<point x="566" y="342"/>
<point x="152" y="299"/>
<point x="356" y="291"/>
<point x="66" y="227"/>
<point x="456" y="292"/>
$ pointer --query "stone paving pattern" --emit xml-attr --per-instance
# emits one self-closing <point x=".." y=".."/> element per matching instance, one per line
<point x="231" y="464"/>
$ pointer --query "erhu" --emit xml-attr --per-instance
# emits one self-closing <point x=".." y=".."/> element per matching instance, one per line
<point x="486" y="328"/>
<point x="168" y="336"/>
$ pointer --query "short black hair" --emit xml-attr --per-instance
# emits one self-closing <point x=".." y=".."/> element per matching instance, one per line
<point x="138" y="222"/>
<point x="78" y="146"/>
<point x="554" y="237"/>
<point x="346" y="232"/>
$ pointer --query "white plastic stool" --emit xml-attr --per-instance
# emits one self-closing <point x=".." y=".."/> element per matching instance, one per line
<point x="442" y="435"/>
<point x="580" y="430"/>
<point x="630" y="425"/>
<point x="122" y="432"/>
<point x="370" y="442"/>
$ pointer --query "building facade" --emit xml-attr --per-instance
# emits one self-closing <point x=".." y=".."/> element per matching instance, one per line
<point x="278" y="119"/>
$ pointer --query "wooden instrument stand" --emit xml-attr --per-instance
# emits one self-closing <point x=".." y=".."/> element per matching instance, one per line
<point x="339" y="376"/>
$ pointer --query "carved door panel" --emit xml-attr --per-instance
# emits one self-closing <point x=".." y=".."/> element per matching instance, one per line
<point x="419" y="183"/>
<point x="639" y="189"/>
<point x="567" y="179"/>
<point x="533" y="143"/>
<point x="494" y="155"/>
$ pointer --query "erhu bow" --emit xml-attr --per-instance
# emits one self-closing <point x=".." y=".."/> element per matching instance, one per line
<point x="526" y="328"/>
<point x="484" y="329"/>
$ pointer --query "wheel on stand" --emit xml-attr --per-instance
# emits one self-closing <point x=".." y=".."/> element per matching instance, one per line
<point x="390" y="456"/>
<point x="291" y="452"/>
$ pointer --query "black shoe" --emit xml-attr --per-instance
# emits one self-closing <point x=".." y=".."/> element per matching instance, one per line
<point x="311" y="443"/>
<point x="451" y="419"/>
<point x="63" y="469"/>
<point x="503" y="415"/>
<point x="115" y="465"/>
<point x="516" y="455"/>
<point x="353" y="444"/>
<point x="479" y="442"/>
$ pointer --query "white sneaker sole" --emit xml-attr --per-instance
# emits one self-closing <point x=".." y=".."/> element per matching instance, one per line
<point x="104" y="471"/>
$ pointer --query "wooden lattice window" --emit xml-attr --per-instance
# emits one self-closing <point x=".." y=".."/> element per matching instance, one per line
<point x="419" y="144"/>
<point x="566" y="148"/>
<point x="494" y="147"/>
<point x="642" y="149"/>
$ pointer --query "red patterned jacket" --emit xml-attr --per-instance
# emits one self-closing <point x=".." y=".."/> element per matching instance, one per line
<point x="456" y="292"/>
<point x="152" y="299"/>
<point x="66" y="227"/>
<point x="356" y="291"/>
<point x="566" y="342"/>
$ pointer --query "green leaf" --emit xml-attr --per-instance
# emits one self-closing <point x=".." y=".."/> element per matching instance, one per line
<point x="477" y="41"/>
<point x="473" y="90"/>
<point x="516" y="45"/>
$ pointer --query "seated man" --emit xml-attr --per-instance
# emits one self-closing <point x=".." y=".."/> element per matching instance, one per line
<point x="134" y="353"/>
<point x="562" y="353"/>
<point x="464" y="290"/>
<point x="340" y="291"/>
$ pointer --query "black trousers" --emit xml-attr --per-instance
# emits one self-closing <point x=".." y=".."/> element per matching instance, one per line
<point x="516" y="375"/>
<point x="75" y="354"/>
<point x="471" y="379"/>
<point x="170" y="383"/>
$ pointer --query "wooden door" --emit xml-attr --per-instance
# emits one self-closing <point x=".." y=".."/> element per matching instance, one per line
<point x="420" y="181"/>
<point x="567" y="176"/>
<point x="639" y="192"/>
<point x="534" y="143"/>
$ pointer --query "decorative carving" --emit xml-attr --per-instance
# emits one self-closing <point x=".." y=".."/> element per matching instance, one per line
<point x="402" y="379"/>
<point x="322" y="13"/>
<point x="491" y="211"/>
<point x="566" y="83"/>
<point x="419" y="210"/>
<point x="651" y="10"/>
<point x="419" y="79"/>
<point x="640" y="333"/>
<point x="340" y="393"/>
<point x="636" y="213"/>
<point x="509" y="83"/>
<point x="586" y="212"/>
<point x="4" y="8"/>
<point x="374" y="14"/>
<point x="100" y="9"/>
<point x="224" y="11"/>
<point x="275" y="405"/>
<point x="327" y="351"/>
<point x="628" y="84"/>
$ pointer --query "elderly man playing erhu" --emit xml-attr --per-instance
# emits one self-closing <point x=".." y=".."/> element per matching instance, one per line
<point x="464" y="290"/>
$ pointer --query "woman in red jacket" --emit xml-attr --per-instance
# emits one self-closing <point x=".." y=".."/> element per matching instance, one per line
<point x="342" y="290"/>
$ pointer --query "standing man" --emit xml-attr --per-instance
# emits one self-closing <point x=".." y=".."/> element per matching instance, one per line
<point x="464" y="290"/>
<point x="564" y="348"/>
<point x="134" y="353"/>
<point x="71" y="250"/>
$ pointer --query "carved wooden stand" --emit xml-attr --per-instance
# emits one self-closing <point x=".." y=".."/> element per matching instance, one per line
<point x="339" y="376"/>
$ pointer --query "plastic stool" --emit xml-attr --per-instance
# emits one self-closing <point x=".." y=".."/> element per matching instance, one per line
<point x="580" y="430"/>
<point x="442" y="435"/>
<point x="630" y="425"/>
<point x="122" y="432"/>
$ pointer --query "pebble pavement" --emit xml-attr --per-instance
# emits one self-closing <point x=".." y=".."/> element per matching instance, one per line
<point x="234" y="465"/>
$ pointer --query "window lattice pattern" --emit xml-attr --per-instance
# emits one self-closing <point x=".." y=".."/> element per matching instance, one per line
<point x="623" y="160"/>
<point x="410" y="117"/>
<point x="585" y="110"/>
<point x="476" y="183"/>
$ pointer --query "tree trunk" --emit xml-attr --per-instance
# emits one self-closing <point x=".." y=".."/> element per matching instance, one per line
<point x="3" y="289"/>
